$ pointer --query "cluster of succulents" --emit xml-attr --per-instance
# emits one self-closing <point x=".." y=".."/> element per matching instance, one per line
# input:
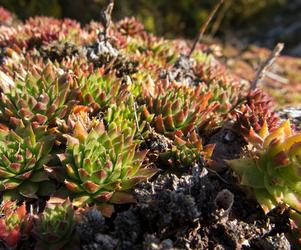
<point x="178" y="108"/>
<point x="271" y="167"/>
<point x="39" y="99"/>
<point x="88" y="113"/>
<point x="130" y="26"/>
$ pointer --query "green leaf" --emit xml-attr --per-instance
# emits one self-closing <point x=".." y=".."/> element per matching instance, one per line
<point x="266" y="200"/>
<point x="80" y="201"/>
<point x="248" y="172"/>
<point x="130" y="183"/>
<point x="122" y="198"/>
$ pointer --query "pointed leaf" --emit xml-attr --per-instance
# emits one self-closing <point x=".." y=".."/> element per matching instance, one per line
<point x="122" y="198"/>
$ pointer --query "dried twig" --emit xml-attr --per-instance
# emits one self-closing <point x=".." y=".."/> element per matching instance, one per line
<point x="261" y="72"/>
<point x="222" y="13"/>
<point x="277" y="78"/>
<point x="106" y="18"/>
<point x="204" y="26"/>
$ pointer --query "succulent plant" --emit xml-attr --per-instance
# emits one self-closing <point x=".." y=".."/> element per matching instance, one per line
<point x="225" y="92"/>
<point x="98" y="91"/>
<point x="40" y="31"/>
<point x="187" y="150"/>
<point x="54" y="227"/>
<point x="127" y="114"/>
<point x="272" y="168"/>
<point x="102" y="164"/>
<point x="153" y="54"/>
<point x="254" y="112"/>
<point x="40" y="99"/>
<point x="80" y="115"/>
<point x="178" y="108"/>
<point x="14" y="223"/>
<point x="130" y="26"/>
<point x="24" y="154"/>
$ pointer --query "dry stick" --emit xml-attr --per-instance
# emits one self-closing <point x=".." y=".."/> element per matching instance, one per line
<point x="204" y="26"/>
<point x="106" y="18"/>
<point x="216" y="25"/>
<point x="261" y="72"/>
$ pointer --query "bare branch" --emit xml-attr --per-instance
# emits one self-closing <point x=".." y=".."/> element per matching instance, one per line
<point x="204" y="26"/>
<point x="106" y="17"/>
<point x="261" y="72"/>
<point x="222" y="13"/>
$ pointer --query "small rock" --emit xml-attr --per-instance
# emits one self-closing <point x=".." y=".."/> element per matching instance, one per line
<point x="224" y="200"/>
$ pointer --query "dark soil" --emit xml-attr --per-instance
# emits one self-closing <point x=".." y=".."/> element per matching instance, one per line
<point x="194" y="211"/>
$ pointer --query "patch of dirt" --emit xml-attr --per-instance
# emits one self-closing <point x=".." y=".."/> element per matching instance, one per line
<point x="194" y="211"/>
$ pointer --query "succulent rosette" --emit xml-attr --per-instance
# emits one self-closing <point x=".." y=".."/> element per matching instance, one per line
<point x="272" y="166"/>
<point x="178" y="108"/>
<point x="24" y="154"/>
<point x="14" y="223"/>
<point x="98" y="91"/>
<point x="187" y="150"/>
<point x="254" y="112"/>
<point x="127" y="114"/>
<point x="103" y="164"/>
<point x="40" y="99"/>
<point x="54" y="227"/>
<point x="130" y="27"/>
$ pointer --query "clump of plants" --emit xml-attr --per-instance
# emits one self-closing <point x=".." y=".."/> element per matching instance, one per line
<point x="254" y="112"/>
<point x="97" y="121"/>
<point x="271" y="167"/>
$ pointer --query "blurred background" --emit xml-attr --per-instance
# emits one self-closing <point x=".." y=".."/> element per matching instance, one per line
<point x="263" y="22"/>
